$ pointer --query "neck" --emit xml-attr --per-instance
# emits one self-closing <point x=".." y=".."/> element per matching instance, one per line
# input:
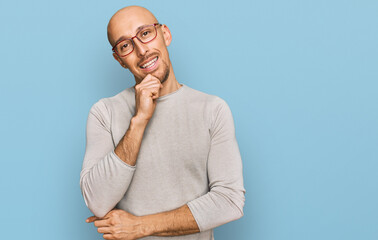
<point x="170" y="85"/>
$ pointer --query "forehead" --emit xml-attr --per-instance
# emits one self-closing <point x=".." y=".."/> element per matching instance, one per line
<point x="126" y="24"/>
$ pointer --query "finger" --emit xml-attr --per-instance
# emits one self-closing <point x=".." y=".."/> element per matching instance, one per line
<point x="91" y="219"/>
<point x="138" y="88"/>
<point x="102" y="223"/>
<point x="157" y="80"/>
<point x="108" y="236"/>
<point x="150" y="88"/>
<point x="155" y="92"/>
<point x="155" y="95"/>
<point x="104" y="230"/>
<point x="149" y="82"/>
<point x="150" y="91"/>
<point x="146" y="79"/>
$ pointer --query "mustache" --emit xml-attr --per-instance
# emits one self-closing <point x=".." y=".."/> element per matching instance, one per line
<point x="147" y="57"/>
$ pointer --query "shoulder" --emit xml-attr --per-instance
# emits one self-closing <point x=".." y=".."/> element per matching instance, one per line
<point x="108" y="104"/>
<point x="105" y="108"/>
<point x="215" y="109"/>
<point x="210" y="100"/>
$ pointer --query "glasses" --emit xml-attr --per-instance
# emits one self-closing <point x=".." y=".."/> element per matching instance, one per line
<point x="147" y="34"/>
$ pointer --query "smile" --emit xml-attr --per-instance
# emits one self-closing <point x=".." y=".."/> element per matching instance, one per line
<point x="150" y="64"/>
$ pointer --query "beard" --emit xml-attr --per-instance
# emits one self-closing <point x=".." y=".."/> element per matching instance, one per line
<point x="162" y="73"/>
<point x="165" y="74"/>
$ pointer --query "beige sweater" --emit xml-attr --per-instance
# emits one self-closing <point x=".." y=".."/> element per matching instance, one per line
<point x="189" y="155"/>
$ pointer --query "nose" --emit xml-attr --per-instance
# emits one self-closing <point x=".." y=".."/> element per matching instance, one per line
<point x="140" y="48"/>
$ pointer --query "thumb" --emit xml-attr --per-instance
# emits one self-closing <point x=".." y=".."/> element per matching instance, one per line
<point x="92" y="219"/>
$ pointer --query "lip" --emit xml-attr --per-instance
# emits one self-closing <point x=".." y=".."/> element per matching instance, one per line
<point x="152" y="67"/>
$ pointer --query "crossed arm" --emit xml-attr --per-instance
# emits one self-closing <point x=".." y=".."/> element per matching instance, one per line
<point x="119" y="224"/>
<point x="223" y="203"/>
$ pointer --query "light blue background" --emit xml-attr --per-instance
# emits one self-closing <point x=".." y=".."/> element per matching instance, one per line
<point x="299" y="76"/>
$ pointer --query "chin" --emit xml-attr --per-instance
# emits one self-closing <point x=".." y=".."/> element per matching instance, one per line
<point x="165" y="77"/>
<point x="162" y="76"/>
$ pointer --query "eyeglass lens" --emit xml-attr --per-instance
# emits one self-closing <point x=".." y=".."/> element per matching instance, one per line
<point x="145" y="35"/>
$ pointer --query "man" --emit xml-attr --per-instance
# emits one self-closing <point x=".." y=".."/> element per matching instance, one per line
<point x="161" y="158"/>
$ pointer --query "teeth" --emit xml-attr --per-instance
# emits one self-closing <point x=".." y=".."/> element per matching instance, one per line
<point x="149" y="64"/>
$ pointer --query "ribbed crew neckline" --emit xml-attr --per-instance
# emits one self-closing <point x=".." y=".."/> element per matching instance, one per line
<point x="169" y="95"/>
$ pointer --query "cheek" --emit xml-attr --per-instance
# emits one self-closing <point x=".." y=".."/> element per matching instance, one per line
<point x="130" y="63"/>
<point x="163" y="51"/>
<point x="165" y="57"/>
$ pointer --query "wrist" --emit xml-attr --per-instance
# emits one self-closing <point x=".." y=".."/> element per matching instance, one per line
<point x="148" y="227"/>
<point x="138" y="122"/>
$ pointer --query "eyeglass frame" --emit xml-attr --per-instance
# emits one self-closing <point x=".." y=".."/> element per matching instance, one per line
<point x="132" y="39"/>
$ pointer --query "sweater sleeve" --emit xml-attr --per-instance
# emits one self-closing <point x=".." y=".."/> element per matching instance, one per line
<point x="225" y="200"/>
<point x="104" y="178"/>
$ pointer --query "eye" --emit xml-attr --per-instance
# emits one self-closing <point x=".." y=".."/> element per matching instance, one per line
<point x="145" y="33"/>
<point x="124" y="45"/>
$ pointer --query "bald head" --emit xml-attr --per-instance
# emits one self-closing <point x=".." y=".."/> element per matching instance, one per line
<point x="141" y="57"/>
<point x="126" y="18"/>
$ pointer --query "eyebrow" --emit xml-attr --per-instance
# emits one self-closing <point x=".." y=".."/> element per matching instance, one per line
<point x="125" y="37"/>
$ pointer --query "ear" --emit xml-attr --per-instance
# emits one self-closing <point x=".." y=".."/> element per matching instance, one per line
<point x="119" y="60"/>
<point x="167" y="35"/>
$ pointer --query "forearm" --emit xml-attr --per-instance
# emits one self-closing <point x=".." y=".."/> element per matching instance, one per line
<point x="106" y="175"/>
<point x="172" y="223"/>
<point x="104" y="185"/>
<point x="128" y="147"/>
<point x="225" y="200"/>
